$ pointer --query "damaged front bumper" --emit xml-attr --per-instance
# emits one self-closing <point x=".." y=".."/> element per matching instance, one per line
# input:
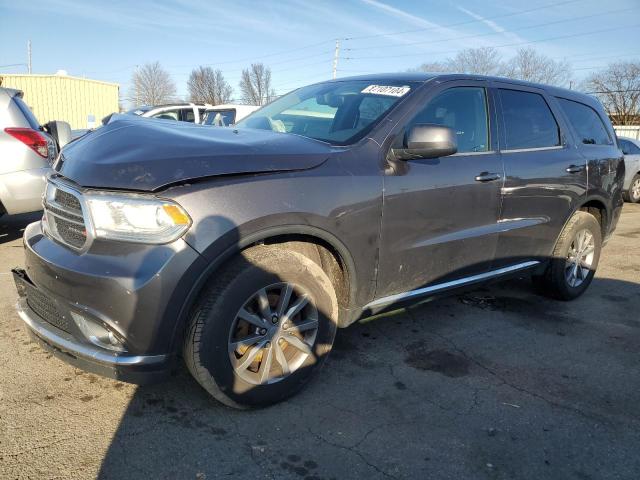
<point x="138" y="369"/>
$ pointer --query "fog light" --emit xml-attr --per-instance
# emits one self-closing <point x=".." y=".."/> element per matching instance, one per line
<point x="97" y="334"/>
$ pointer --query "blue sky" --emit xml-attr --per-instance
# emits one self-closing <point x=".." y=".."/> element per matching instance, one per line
<point x="296" y="38"/>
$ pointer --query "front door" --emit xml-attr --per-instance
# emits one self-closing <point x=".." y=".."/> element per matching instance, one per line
<point x="440" y="215"/>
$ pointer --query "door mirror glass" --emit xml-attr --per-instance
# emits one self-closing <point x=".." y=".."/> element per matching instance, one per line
<point x="428" y="141"/>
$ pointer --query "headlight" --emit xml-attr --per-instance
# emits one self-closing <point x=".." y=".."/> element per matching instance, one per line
<point x="136" y="218"/>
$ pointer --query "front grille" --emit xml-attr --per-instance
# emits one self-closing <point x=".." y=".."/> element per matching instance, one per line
<point x="46" y="308"/>
<point x="64" y="216"/>
<point x="67" y="200"/>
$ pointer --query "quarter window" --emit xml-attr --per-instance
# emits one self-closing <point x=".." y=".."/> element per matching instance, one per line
<point x="528" y="121"/>
<point x="464" y="109"/>
<point x="586" y="122"/>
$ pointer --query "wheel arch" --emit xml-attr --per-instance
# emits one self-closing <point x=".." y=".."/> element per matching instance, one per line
<point x="331" y="253"/>
<point x="598" y="208"/>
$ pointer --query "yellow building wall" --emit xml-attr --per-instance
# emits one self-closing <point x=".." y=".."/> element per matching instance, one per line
<point x="60" y="97"/>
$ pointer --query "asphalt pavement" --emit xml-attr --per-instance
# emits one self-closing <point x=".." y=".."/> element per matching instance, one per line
<point x="498" y="383"/>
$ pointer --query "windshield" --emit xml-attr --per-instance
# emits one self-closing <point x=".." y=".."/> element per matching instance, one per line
<point x="339" y="113"/>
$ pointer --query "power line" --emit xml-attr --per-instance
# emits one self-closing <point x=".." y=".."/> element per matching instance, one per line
<point x="631" y="90"/>
<point x="515" y="44"/>
<point x="466" y="22"/>
<point x="13" y="65"/>
<point x="529" y="27"/>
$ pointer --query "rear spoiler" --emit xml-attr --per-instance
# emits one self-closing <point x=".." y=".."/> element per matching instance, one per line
<point x="13" y="92"/>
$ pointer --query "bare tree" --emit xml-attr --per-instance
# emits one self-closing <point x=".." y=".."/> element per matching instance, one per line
<point x="208" y="86"/>
<point x="532" y="66"/>
<point x="480" y="61"/>
<point x="255" y="85"/>
<point x="618" y="88"/>
<point x="151" y="85"/>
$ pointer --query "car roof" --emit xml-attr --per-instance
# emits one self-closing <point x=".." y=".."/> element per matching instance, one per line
<point x="424" y="77"/>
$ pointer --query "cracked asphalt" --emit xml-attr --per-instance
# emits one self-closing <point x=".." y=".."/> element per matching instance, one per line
<point x="496" y="383"/>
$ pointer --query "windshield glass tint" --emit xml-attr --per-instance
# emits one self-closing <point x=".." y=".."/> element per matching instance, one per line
<point x="337" y="112"/>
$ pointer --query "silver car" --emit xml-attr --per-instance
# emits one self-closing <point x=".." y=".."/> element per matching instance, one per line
<point x="631" y="149"/>
<point x="26" y="154"/>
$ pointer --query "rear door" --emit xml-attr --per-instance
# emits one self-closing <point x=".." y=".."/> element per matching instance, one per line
<point x="440" y="215"/>
<point x="546" y="175"/>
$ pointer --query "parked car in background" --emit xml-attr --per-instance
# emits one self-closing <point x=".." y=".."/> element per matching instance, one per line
<point x="242" y="250"/>
<point x="631" y="149"/>
<point x="227" y="114"/>
<point x="182" y="112"/>
<point x="26" y="155"/>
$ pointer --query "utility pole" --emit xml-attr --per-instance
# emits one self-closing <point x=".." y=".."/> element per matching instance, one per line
<point x="335" y="59"/>
<point x="29" y="56"/>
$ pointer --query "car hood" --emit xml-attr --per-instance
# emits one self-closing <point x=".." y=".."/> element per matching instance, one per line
<point x="145" y="154"/>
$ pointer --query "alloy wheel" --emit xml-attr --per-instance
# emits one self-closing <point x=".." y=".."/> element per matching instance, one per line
<point x="635" y="189"/>
<point x="273" y="334"/>
<point x="580" y="258"/>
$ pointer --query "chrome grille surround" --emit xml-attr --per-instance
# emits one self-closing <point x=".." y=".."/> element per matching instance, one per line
<point x="65" y="216"/>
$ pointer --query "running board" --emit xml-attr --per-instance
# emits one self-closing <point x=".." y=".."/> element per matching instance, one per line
<point x="398" y="297"/>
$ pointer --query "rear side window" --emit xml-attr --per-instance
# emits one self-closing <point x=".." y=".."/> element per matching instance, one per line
<point x="528" y="121"/>
<point x="188" y="115"/>
<point x="464" y="109"/>
<point x="629" y="148"/>
<point x="586" y="122"/>
<point x="168" y="115"/>
<point x="28" y="114"/>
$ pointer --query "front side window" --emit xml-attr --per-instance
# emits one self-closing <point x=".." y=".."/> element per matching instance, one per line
<point x="586" y="122"/>
<point x="339" y="112"/>
<point x="464" y="109"/>
<point x="528" y="121"/>
<point x="166" y="115"/>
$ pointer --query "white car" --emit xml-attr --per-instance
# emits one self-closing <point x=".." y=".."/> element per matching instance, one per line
<point x="227" y="114"/>
<point x="183" y="112"/>
<point x="26" y="154"/>
<point x="631" y="186"/>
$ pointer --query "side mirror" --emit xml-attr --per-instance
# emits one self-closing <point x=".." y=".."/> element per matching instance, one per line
<point x="60" y="131"/>
<point x="427" y="141"/>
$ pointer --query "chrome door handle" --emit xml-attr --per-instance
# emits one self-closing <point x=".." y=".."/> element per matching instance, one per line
<point x="488" y="177"/>
<point x="574" y="168"/>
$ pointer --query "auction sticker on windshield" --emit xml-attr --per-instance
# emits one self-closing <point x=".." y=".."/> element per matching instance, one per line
<point x="386" y="90"/>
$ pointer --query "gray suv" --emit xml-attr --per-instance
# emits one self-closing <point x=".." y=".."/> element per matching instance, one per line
<point x="26" y="152"/>
<point x="242" y="250"/>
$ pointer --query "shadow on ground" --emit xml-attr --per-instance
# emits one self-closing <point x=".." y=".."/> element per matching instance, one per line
<point x="496" y="383"/>
<point x="12" y="226"/>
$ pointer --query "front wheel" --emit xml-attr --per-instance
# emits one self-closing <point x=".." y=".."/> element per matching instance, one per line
<point x="575" y="259"/>
<point x="262" y="328"/>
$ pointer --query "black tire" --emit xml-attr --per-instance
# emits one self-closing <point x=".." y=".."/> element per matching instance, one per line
<point x="554" y="282"/>
<point x="629" y="195"/>
<point x="206" y="348"/>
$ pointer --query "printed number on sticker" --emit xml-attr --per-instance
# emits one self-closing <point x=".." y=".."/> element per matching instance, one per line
<point x="386" y="90"/>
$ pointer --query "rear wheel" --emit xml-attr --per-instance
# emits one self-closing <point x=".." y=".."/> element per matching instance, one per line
<point x="633" y="194"/>
<point x="262" y="328"/>
<point x="575" y="259"/>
